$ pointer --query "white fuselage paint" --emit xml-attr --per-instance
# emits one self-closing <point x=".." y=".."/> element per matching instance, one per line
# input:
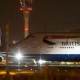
<point x="34" y="44"/>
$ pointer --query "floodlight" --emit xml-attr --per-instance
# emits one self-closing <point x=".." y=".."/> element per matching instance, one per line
<point x="41" y="61"/>
<point x="18" y="56"/>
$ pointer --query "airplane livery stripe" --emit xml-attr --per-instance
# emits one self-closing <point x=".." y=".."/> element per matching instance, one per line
<point x="60" y="37"/>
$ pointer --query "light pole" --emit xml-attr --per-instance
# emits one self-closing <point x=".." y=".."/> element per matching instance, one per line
<point x="7" y="47"/>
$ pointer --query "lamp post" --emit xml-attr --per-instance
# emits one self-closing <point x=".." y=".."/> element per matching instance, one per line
<point x="7" y="47"/>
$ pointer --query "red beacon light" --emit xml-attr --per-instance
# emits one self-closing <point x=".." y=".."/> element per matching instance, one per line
<point x="21" y="9"/>
<point x="30" y="9"/>
<point x="26" y="29"/>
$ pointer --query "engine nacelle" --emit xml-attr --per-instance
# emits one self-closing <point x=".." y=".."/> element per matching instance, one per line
<point x="1" y="59"/>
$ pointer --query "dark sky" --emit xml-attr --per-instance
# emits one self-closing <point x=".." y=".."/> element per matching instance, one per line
<point x="47" y="15"/>
<point x="9" y="11"/>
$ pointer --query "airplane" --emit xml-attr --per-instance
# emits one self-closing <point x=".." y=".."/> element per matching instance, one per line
<point x="56" y="46"/>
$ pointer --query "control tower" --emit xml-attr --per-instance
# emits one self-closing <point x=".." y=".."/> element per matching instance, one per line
<point x="26" y="7"/>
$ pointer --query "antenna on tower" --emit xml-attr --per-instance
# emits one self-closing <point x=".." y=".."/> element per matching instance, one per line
<point x="26" y="7"/>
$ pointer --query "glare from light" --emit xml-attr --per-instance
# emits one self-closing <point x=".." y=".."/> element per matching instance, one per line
<point x="18" y="56"/>
<point x="41" y="61"/>
<point x="62" y="62"/>
<point x="68" y="63"/>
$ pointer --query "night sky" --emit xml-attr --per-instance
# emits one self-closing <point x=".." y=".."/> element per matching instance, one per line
<point x="47" y="15"/>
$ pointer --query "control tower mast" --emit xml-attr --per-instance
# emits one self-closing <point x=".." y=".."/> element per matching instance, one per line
<point x="26" y="7"/>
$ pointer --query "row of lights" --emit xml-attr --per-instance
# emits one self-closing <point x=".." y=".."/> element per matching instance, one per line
<point x="66" y="47"/>
<point x="35" y="47"/>
<point x="47" y="47"/>
<point x="38" y="47"/>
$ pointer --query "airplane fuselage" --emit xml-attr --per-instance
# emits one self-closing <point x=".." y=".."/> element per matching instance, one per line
<point x="51" y="46"/>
